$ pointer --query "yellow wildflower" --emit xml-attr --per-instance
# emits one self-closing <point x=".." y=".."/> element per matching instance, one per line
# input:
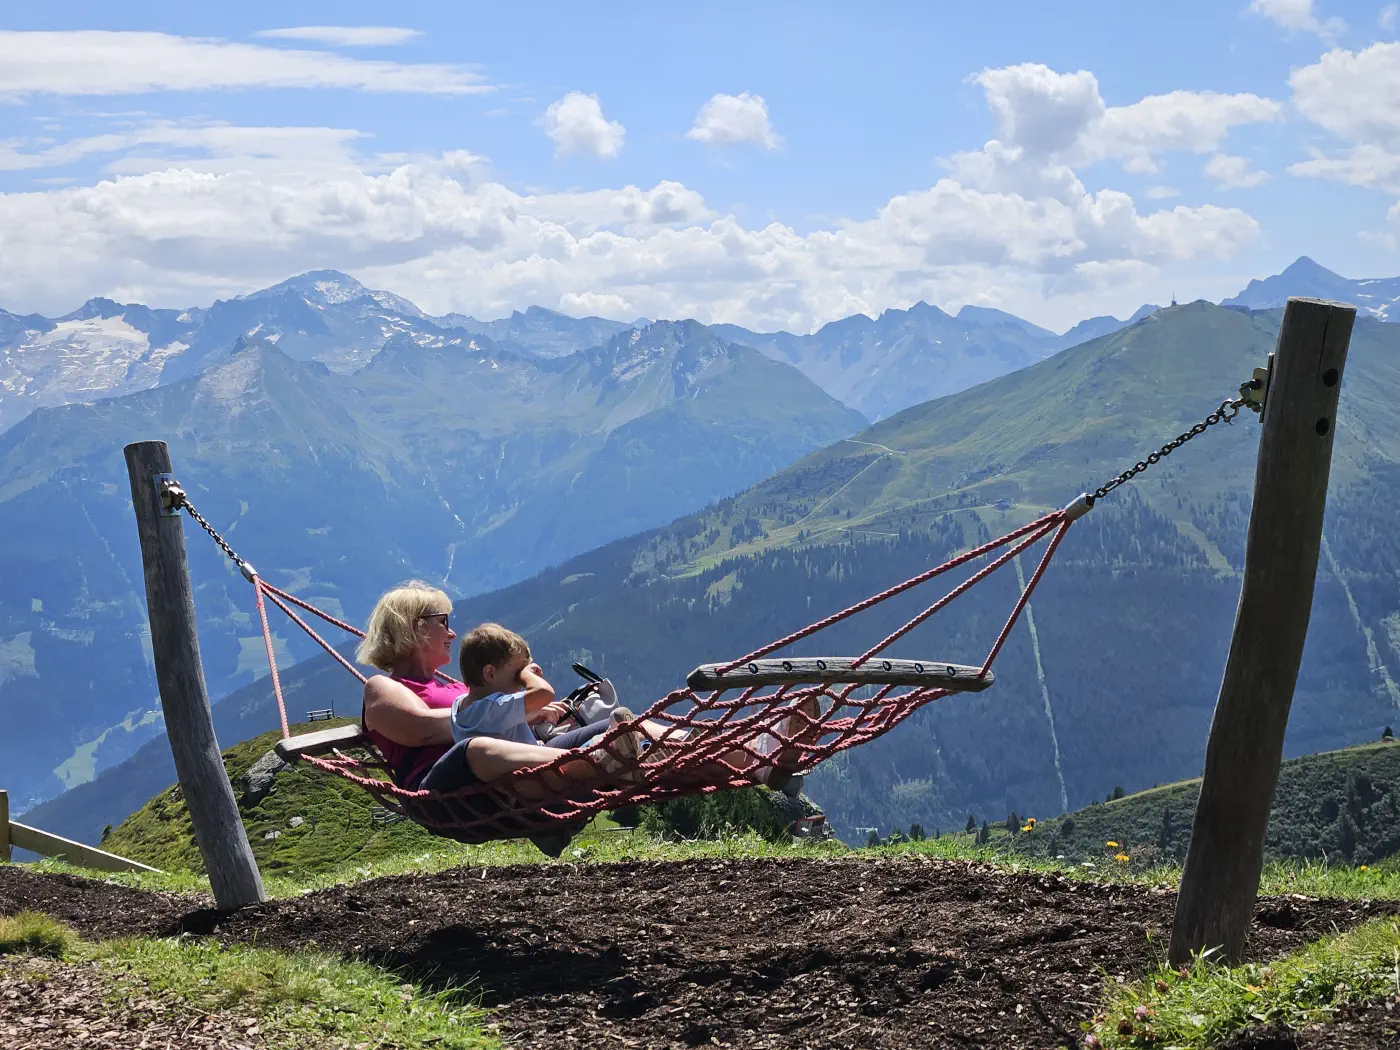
<point x="1362" y="868"/>
<point x="1111" y="844"/>
<point x="1122" y="858"/>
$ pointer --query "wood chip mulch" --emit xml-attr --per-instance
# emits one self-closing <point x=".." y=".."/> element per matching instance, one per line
<point x="891" y="954"/>
<point x="50" y="1005"/>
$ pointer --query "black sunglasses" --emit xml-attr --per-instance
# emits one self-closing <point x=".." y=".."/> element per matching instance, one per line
<point x="437" y="616"/>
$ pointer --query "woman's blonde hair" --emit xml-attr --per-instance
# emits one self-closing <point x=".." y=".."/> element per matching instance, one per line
<point x="392" y="632"/>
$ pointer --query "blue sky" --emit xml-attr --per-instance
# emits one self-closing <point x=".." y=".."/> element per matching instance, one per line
<point x="777" y="165"/>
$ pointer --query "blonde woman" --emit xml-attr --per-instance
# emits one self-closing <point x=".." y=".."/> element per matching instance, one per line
<point x="407" y="710"/>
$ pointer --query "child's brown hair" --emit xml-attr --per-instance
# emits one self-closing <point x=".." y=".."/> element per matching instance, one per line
<point x="489" y="644"/>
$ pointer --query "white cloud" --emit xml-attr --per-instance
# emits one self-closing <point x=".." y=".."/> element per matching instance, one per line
<point x="345" y="36"/>
<point x="577" y="125"/>
<point x="1192" y="121"/>
<point x="1298" y="14"/>
<point x="728" y="119"/>
<point x="1386" y="19"/>
<point x="1356" y="96"/>
<point x="1353" y="94"/>
<point x="1369" y="166"/>
<point x="1161" y="193"/>
<point x="1231" y="173"/>
<point x="442" y="232"/>
<point x="98" y="62"/>
<point x="215" y="148"/>
<point x="1062" y="118"/>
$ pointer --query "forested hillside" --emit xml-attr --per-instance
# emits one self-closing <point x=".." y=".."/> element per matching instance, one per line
<point x="1343" y="805"/>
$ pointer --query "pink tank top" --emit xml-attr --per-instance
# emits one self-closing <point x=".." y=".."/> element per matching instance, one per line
<point x="410" y="763"/>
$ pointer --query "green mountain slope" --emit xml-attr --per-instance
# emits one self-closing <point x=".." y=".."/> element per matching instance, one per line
<point x="1132" y="621"/>
<point x="307" y="820"/>
<point x="1342" y="804"/>
<point x="451" y="459"/>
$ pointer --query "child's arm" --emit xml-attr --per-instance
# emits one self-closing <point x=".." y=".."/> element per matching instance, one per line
<point x="539" y="696"/>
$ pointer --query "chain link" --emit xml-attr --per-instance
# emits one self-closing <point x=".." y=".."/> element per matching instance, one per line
<point x="1228" y="410"/>
<point x="174" y="496"/>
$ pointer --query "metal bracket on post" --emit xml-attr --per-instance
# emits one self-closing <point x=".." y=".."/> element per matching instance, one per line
<point x="1256" y="389"/>
<point x="171" y="495"/>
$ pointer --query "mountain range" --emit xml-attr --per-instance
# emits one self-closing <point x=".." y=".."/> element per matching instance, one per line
<point x="1111" y="677"/>
<point x="108" y="349"/>
<point x="476" y="453"/>
<point x="452" y="459"/>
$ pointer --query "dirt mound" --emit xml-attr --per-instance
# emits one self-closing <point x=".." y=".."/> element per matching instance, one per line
<point x="775" y="953"/>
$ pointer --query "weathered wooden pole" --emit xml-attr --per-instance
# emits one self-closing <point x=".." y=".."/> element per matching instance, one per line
<point x="218" y="831"/>
<point x="1220" y="882"/>
<point x="4" y="827"/>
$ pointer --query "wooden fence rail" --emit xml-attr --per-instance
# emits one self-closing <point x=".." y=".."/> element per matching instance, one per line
<point x="13" y="834"/>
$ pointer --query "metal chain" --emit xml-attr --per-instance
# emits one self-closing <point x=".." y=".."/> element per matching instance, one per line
<point x="1228" y="410"/>
<point x="173" y="497"/>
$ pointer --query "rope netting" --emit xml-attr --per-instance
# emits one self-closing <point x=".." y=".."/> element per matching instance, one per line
<point x="691" y="741"/>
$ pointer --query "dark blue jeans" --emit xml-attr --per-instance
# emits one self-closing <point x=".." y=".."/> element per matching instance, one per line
<point x="580" y="736"/>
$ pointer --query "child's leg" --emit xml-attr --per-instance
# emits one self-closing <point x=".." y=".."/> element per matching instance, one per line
<point x="581" y="736"/>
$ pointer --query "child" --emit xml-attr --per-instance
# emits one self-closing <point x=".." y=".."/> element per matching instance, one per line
<point x="507" y="694"/>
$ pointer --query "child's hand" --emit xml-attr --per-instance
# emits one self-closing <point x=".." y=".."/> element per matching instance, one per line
<point x="553" y="712"/>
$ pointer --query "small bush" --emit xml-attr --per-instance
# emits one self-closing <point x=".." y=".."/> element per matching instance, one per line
<point x="719" y="814"/>
<point x="34" y="933"/>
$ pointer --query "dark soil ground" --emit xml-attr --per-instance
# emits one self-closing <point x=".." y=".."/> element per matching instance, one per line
<point x="877" y="955"/>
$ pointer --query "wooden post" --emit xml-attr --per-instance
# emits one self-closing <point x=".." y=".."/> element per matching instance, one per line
<point x="218" y="831"/>
<point x="1220" y="882"/>
<point x="4" y="827"/>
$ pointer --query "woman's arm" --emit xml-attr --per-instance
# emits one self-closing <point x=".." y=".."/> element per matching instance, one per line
<point x="396" y="711"/>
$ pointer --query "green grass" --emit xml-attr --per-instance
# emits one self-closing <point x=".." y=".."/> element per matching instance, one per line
<point x="1200" y="1006"/>
<point x="305" y="999"/>
<point x="33" y="933"/>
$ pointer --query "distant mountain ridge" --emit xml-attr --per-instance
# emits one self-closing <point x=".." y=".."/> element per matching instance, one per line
<point x="106" y="349"/>
<point x="876" y="365"/>
<point x="884" y="364"/>
<point x="1305" y="278"/>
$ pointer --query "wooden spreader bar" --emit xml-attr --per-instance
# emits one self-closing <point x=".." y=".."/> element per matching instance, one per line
<point x="817" y="670"/>
<point x="318" y="743"/>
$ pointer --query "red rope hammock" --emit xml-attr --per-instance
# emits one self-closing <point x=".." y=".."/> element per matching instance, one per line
<point x="705" y="740"/>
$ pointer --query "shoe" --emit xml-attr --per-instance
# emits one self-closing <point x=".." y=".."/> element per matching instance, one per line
<point x="553" y="843"/>
<point x="620" y="757"/>
<point x="778" y="775"/>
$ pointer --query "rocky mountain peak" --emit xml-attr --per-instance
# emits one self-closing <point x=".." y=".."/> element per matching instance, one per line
<point x="96" y="307"/>
<point x="322" y="287"/>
